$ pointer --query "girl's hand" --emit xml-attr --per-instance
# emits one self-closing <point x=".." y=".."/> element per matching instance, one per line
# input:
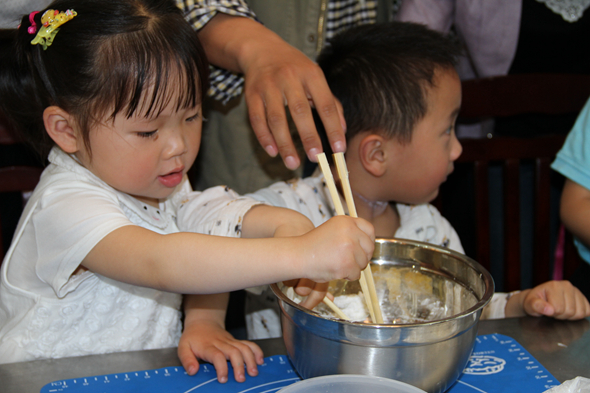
<point x="313" y="291"/>
<point x="556" y="299"/>
<point x="338" y="249"/>
<point x="209" y="341"/>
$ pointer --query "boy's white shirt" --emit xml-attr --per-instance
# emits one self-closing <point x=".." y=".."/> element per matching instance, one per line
<point x="310" y="196"/>
<point x="46" y="312"/>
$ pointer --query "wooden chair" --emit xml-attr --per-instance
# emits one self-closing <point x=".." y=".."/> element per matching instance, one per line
<point x="506" y="96"/>
<point x="501" y="96"/>
<point x="15" y="178"/>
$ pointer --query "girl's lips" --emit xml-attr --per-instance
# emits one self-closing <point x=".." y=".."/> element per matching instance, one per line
<point x="172" y="179"/>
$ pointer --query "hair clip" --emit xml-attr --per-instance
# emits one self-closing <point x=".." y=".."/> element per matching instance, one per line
<point x="33" y="27"/>
<point x="51" y="20"/>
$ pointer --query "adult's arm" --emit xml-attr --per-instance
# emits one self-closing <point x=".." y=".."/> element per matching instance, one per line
<point x="276" y="75"/>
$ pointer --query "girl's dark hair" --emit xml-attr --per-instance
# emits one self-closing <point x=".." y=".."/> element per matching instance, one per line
<point x="115" y="56"/>
<point x="380" y="73"/>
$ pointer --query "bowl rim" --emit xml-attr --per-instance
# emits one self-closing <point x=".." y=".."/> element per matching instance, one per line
<point x="485" y="299"/>
<point x="338" y="377"/>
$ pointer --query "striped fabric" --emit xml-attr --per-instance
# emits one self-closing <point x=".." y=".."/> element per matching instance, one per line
<point x="341" y="14"/>
<point x="225" y="85"/>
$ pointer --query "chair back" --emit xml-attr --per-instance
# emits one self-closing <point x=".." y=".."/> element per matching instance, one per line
<point x="506" y="96"/>
<point x="15" y="178"/>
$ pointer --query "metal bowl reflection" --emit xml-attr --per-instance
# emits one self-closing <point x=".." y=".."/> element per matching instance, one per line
<point x="429" y="355"/>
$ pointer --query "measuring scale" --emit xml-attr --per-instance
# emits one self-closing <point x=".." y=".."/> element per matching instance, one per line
<point x="273" y="375"/>
<point x="498" y="364"/>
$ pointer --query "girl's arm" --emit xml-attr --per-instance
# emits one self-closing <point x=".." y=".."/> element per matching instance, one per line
<point x="193" y="263"/>
<point x="270" y="221"/>
<point x="204" y="337"/>
<point x="204" y="334"/>
<point x="575" y="210"/>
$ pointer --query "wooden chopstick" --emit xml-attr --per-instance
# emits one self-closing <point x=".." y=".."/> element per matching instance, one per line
<point x="335" y="308"/>
<point x="325" y="167"/>
<point x="367" y="272"/>
<point x="322" y="160"/>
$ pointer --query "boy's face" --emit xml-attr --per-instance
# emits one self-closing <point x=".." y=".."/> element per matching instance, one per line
<point x="417" y="169"/>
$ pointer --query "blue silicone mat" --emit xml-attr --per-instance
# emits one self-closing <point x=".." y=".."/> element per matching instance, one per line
<point x="498" y="364"/>
<point x="274" y="374"/>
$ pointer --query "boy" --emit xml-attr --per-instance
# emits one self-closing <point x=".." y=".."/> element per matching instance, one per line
<point x="401" y="96"/>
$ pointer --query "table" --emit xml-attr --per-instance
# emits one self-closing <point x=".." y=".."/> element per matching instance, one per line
<point x="563" y="348"/>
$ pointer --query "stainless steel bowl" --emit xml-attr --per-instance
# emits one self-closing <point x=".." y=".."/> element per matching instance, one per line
<point x="429" y="355"/>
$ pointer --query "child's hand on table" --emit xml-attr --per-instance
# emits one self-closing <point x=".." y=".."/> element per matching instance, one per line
<point x="556" y="299"/>
<point x="204" y="337"/>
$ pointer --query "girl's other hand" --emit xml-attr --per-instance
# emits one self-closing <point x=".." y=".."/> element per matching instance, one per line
<point x="209" y="341"/>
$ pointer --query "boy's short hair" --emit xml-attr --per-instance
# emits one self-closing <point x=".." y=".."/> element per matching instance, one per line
<point x="380" y="72"/>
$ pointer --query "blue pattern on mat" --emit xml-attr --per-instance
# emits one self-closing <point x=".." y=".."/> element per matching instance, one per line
<point x="498" y="364"/>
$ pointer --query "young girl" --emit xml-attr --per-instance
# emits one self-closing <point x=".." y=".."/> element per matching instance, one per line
<point x="111" y="91"/>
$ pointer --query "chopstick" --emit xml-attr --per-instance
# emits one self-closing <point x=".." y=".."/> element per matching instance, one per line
<point x="335" y="308"/>
<point x="367" y="272"/>
<point x="325" y="167"/>
<point x="339" y="210"/>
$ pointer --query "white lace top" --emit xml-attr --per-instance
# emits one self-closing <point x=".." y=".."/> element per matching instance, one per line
<point x="570" y="10"/>
<point x="48" y="312"/>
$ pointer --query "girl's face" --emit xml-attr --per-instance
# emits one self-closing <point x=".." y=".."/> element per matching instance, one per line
<point x="421" y="166"/>
<point x="145" y="157"/>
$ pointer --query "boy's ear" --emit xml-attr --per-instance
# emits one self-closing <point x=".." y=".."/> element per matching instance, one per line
<point x="372" y="154"/>
<point x="61" y="127"/>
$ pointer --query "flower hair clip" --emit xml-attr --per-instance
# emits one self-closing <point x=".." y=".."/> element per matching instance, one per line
<point x="51" y="21"/>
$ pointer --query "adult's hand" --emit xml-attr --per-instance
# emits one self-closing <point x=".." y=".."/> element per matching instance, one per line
<point x="276" y="75"/>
